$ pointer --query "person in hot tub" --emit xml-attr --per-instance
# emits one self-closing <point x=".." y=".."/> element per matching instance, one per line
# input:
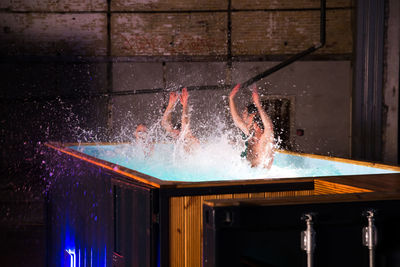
<point x="143" y="139"/>
<point x="182" y="132"/>
<point x="257" y="130"/>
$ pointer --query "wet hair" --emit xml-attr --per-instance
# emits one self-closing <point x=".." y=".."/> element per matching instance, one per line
<point x="177" y="126"/>
<point x="252" y="109"/>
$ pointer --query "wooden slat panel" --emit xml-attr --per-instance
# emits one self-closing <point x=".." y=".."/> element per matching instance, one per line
<point x="242" y="195"/>
<point x="225" y="196"/>
<point x="257" y="195"/>
<point x="177" y="231"/>
<point x="376" y="183"/>
<point x="193" y="219"/>
<point x="304" y="193"/>
<point x="324" y="187"/>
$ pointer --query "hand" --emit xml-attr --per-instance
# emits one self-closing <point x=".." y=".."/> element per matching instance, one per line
<point x="234" y="91"/>
<point x="173" y="97"/>
<point x="184" y="97"/>
<point x="256" y="97"/>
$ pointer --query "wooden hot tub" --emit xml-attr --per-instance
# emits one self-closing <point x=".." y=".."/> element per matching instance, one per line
<point x="128" y="218"/>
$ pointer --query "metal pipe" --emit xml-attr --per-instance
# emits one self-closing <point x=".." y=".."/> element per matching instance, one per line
<point x="308" y="239"/>
<point x="297" y="56"/>
<point x="370" y="236"/>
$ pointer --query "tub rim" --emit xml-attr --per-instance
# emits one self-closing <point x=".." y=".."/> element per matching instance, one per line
<point x="154" y="182"/>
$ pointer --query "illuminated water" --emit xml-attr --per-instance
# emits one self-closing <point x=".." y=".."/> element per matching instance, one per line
<point x="216" y="161"/>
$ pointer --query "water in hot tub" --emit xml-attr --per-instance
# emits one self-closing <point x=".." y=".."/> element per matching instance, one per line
<point x="216" y="159"/>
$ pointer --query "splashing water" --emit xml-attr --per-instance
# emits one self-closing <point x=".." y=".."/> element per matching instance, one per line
<point x="214" y="160"/>
<point x="217" y="158"/>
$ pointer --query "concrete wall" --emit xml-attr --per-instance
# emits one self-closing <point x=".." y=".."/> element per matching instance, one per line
<point x="320" y="91"/>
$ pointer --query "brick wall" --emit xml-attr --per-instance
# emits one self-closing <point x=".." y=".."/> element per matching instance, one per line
<point x="169" y="34"/>
<point x="288" y="4"/>
<point x="168" y="5"/>
<point x="168" y="28"/>
<point x="289" y="32"/>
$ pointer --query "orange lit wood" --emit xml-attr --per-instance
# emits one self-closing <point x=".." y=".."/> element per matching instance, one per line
<point x="106" y="165"/>
<point x="322" y="187"/>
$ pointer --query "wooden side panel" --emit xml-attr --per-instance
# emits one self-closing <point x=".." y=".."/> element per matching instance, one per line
<point x="177" y="231"/>
<point x="186" y="224"/>
<point x="225" y="196"/>
<point x="193" y="221"/>
<point x="257" y="195"/>
<point x="324" y="187"/>
<point x="242" y="195"/>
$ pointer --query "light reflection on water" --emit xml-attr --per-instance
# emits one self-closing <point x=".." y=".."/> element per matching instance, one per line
<point x="216" y="160"/>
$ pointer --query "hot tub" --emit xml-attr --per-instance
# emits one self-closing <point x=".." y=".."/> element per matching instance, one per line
<point x="126" y="213"/>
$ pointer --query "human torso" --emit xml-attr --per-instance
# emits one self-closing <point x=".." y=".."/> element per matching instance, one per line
<point x="260" y="150"/>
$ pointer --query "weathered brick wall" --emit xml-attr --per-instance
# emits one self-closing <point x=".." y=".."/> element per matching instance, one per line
<point x="54" y="6"/>
<point x="169" y="28"/>
<point x="169" y="34"/>
<point x="53" y="34"/>
<point x="289" y="32"/>
<point x="168" y="5"/>
<point x="288" y="4"/>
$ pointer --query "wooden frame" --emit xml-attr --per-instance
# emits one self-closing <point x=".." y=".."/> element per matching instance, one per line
<point x="178" y="205"/>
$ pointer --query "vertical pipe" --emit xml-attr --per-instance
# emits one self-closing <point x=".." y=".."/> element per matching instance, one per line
<point x="229" y="44"/>
<point x="371" y="247"/>
<point x="370" y="236"/>
<point x="322" y="27"/>
<point x="310" y="243"/>
<point x="308" y="239"/>
<point x="109" y="70"/>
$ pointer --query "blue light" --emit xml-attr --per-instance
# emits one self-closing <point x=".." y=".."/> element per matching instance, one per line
<point x="75" y="259"/>
<point x="105" y="256"/>
<point x="72" y="255"/>
<point x="81" y="247"/>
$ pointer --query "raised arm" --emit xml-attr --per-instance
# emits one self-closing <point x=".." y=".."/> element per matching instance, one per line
<point x="185" y="109"/>
<point x="268" y="126"/>
<point x="166" y="119"/>
<point x="235" y="116"/>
